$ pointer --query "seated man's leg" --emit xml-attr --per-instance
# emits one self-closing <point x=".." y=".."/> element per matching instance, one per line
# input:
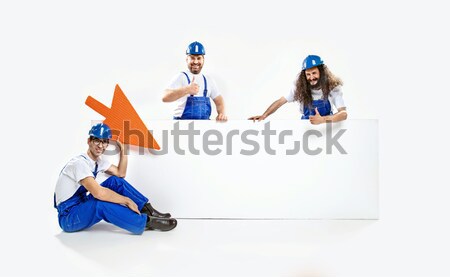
<point x="122" y="217"/>
<point x="79" y="217"/>
<point x="90" y="212"/>
<point x="122" y="187"/>
<point x="125" y="218"/>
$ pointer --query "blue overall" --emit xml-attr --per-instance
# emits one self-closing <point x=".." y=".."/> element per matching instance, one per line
<point x="323" y="106"/>
<point x="197" y="107"/>
<point x="82" y="210"/>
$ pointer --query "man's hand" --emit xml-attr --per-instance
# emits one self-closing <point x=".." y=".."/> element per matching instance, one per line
<point x="121" y="169"/>
<point x="257" y="117"/>
<point x="131" y="205"/>
<point x="221" y="117"/>
<point x="122" y="147"/>
<point x="192" y="88"/>
<point x="119" y="145"/>
<point x="270" y="110"/>
<point x="317" y="118"/>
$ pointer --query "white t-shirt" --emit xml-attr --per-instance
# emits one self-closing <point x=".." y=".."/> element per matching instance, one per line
<point x="180" y="80"/>
<point x="335" y="97"/>
<point x="76" y="169"/>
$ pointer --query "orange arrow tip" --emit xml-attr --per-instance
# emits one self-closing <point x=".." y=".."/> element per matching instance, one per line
<point x="124" y="119"/>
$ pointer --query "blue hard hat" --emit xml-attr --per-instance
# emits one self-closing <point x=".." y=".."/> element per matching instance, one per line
<point x="101" y="131"/>
<point x="195" y="48"/>
<point x="311" y="61"/>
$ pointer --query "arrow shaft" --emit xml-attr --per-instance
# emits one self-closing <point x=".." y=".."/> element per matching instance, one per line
<point x="97" y="106"/>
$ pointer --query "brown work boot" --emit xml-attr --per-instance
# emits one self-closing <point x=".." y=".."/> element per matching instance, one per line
<point x="149" y="210"/>
<point x="160" y="224"/>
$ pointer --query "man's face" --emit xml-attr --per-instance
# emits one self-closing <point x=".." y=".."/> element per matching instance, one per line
<point x="313" y="76"/>
<point x="97" y="146"/>
<point x="195" y="63"/>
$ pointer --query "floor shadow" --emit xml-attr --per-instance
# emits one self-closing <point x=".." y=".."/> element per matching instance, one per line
<point x="107" y="245"/>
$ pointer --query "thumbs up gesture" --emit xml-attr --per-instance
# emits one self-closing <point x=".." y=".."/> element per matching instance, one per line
<point x="193" y="87"/>
<point x="317" y="118"/>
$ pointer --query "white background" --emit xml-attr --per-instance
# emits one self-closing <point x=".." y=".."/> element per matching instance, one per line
<point x="392" y="56"/>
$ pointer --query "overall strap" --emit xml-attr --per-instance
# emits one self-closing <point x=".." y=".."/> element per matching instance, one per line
<point x="95" y="170"/>
<point x="189" y="80"/>
<point x="205" y="91"/>
<point x="96" y="167"/>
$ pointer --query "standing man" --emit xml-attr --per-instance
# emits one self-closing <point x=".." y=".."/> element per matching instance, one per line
<point x="114" y="200"/>
<point x="317" y="90"/>
<point x="192" y="91"/>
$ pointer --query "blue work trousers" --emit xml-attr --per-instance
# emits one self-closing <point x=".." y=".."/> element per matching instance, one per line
<point x="81" y="211"/>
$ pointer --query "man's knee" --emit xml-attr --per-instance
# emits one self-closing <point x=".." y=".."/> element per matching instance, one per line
<point x="115" y="182"/>
<point x="114" y="178"/>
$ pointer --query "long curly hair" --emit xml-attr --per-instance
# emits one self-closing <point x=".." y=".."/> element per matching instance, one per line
<point x="328" y="81"/>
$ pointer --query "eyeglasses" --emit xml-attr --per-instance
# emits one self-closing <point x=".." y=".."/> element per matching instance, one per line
<point x="104" y="143"/>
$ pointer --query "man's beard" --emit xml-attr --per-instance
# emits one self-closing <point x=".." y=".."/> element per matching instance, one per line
<point x="316" y="86"/>
<point x="196" y="71"/>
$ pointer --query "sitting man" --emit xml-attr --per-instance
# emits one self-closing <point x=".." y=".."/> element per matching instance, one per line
<point x="114" y="200"/>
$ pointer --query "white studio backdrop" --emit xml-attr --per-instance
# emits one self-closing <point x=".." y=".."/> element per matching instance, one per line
<point x="391" y="55"/>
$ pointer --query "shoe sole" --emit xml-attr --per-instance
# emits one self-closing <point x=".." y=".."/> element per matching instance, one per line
<point x="163" y="230"/>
